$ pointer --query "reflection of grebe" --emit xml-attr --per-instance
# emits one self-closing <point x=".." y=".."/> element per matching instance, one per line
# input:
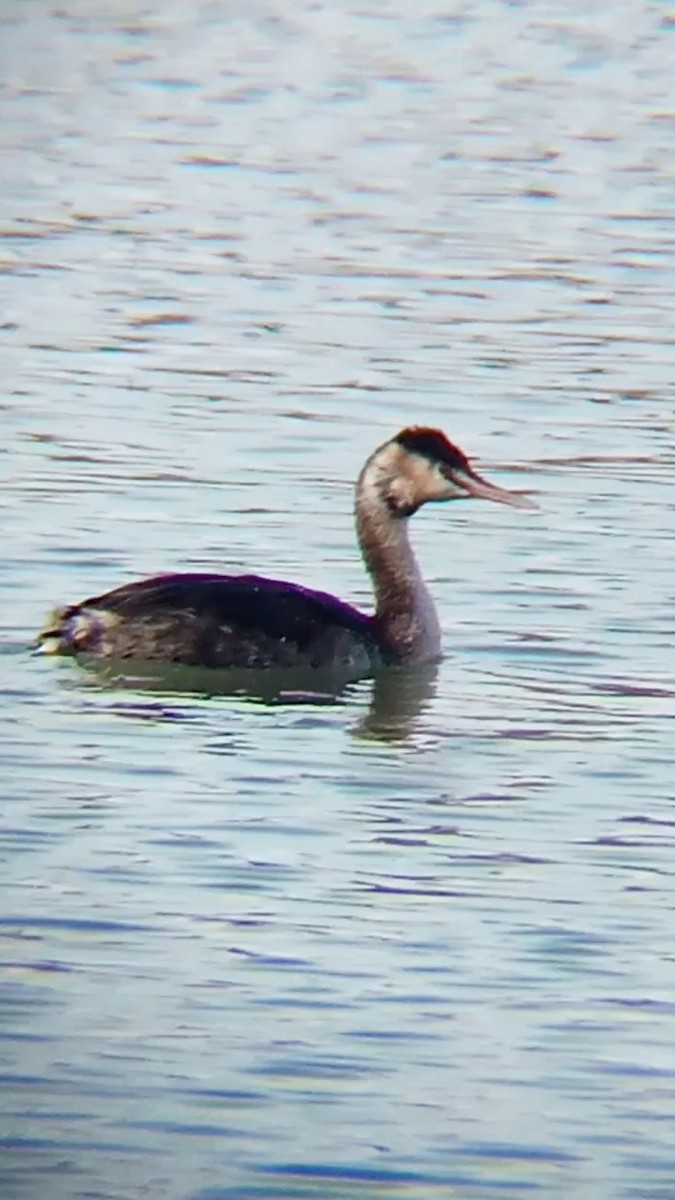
<point x="252" y="622"/>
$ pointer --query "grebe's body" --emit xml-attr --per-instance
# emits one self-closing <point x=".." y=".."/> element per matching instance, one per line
<point x="247" y="621"/>
<point x="216" y="621"/>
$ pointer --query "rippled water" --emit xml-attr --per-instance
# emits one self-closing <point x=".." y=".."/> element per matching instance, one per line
<point x="416" y="939"/>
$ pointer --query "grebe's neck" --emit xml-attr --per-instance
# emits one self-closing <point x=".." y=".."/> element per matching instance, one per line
<point x="405" y="614"/>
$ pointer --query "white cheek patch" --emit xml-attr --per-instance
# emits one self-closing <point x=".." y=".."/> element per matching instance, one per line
<point x="433" y="484"/>
<point x="405" y="480"/>
<point x="402" y="495"/>
<point x="453" y="491"/>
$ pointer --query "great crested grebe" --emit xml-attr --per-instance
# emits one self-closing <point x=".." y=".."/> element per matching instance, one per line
<point x="247" y="621"/>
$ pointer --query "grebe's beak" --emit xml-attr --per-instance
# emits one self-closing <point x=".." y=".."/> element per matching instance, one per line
<point x="473" y="484"/>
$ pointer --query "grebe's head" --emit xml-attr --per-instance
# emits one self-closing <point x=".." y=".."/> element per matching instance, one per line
<point x="419" y="465"/>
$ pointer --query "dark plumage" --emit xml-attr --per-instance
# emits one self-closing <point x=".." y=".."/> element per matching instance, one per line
<point x="215" y="621"/>
<point x="433" y="445"/>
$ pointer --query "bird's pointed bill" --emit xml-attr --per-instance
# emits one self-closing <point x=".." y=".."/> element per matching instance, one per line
<point x="474" y="485"/>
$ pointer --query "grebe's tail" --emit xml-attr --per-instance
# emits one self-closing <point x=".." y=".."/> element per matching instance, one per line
<point x="73" y="629"/>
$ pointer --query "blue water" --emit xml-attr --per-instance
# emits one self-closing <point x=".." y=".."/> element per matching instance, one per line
<point x="415" y="939"/>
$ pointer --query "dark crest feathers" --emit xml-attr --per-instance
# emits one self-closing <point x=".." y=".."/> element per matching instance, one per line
<point x="433" y="445"/>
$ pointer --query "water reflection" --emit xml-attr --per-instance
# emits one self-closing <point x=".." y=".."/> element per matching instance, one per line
<point x="398" y="702"/>
<point x="396" y="698"/>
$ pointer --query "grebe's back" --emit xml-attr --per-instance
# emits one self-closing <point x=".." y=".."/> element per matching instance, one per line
<point x="214" y="620"/>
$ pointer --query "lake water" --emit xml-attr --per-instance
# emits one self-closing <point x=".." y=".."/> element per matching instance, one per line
<point x="414" y="940"/>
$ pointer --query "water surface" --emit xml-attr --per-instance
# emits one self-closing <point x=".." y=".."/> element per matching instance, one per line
<point x="413" y="939"/>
